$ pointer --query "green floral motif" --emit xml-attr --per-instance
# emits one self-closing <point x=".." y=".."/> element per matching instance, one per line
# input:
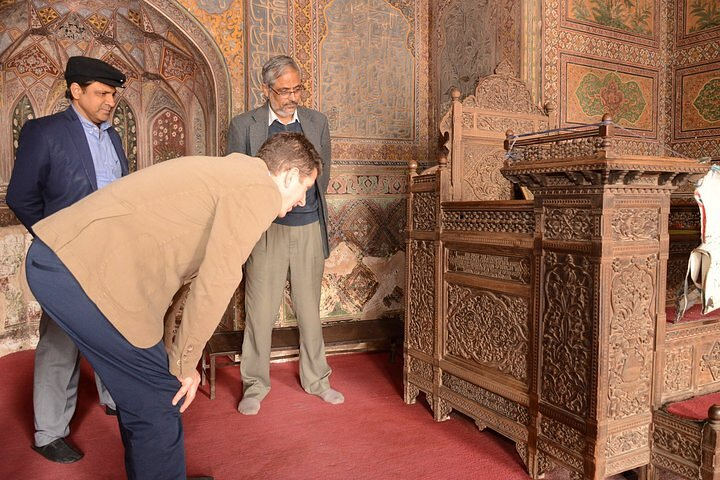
<point x="623" y="101"/>
<point x="708" y="101"/>
<point x="706" y="14"/>
<point x="621" y="14"/>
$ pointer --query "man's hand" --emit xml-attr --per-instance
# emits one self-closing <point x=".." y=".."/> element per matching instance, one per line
<point x="188" y="390"/>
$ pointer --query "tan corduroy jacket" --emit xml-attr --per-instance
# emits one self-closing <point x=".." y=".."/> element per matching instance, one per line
<point x="134" y="243"/>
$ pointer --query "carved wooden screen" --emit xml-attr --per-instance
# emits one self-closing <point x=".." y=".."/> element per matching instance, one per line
<point x="476" y="127"/>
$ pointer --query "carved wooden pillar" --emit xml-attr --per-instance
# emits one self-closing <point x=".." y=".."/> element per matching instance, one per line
<point x="423" y="274"/>
<point x="601" y="249"/>
<point x="711" y="445"/>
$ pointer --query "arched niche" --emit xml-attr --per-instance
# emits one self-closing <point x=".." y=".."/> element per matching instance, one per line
<point x="156" y="43"/>
<point x="124" y="121"/>
<point x="169" y="136"/>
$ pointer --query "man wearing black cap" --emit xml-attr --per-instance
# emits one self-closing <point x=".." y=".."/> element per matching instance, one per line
<point x="60" y="159"/>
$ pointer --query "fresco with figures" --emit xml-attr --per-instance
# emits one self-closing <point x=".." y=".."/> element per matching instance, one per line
<point x="593" y="91"/>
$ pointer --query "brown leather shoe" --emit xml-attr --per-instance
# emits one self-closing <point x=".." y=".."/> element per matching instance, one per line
<point x="60" y="451"/>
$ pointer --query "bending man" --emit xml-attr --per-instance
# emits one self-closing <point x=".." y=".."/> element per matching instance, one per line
<point x="106" y="269"/>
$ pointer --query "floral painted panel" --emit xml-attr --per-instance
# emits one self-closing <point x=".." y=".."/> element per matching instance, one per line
<point x="168" y="136"/>
<point x="126" y="125"/>
<point x="635" y="17"/>
<point x="627" y="96"/>
<point x="22" y="113"/>
<point x="698" y="101"/>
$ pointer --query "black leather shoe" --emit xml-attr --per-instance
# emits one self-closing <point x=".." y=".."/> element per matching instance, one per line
<point x="110" y="411"/>
<point x="60" y="451"/>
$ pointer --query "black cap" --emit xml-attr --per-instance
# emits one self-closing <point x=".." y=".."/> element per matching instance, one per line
<point x="86" y="69"/>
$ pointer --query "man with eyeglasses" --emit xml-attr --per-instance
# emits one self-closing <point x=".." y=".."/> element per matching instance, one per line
<point x="294" y="247"/>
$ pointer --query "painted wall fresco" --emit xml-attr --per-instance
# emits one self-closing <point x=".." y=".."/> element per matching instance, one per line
<point x="606" y="56"/>
<point x="363" y="98"/>
<point x="698" y="92"/>
<point x="164" y="66"/>
<point x="223" y="20"/>
<point x="593" y="89"/>
<point x="701" y="15"/>
<point x="696" y="74"/>
<point x="268" y="23"/>
<point x="156" y="44"/>
<point x="470" y="38"/>
<point x="194" y="63"/>
<point x="631" y="16"/>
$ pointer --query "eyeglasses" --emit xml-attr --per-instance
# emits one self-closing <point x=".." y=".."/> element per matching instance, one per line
<point x="286" y="92"/>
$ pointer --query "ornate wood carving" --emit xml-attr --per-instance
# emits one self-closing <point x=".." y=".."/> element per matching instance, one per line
<point x="420" y="369"/>
<point x="677" y="442"/>
<point x="627" y="441"/>
<point x="421" y="315"/>
<point x="488" y="328"/>
<point x="585" y="147"/>
<point x="563" y="434"/>
<point x="503" y="92"/>
<point x="635" y="224"/>
<point x="572" y="224"/>
<point x="522" y="451"/>
<point x="573" y="461"/>
<point x="440" y="407"/>
<point x="685" y="219"/>
<point x="501" y="102"/>
<point x="481" y="174"/>
<point x="423" y="210"/>
<point x="490" y="266"/>
<point x="489" y="221"/>
<point x="631" y="336"/>
<point x="672" y="465"/>
<point x="411" y="393"/>
<point x="486" y="398"/>
<point x="711" y="361"/>
<point x="566" y="332"/>
<point x="591" y="335"/>
<point x="678" y="369"/>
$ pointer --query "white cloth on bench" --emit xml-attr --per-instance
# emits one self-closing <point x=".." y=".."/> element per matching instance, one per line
<point x="704" y="262"/>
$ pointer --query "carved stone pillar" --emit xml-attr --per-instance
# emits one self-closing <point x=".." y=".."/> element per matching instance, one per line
<point x="601" y="250"/>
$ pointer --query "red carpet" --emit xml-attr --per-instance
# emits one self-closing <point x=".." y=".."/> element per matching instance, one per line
<point x="373" y="435"/>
